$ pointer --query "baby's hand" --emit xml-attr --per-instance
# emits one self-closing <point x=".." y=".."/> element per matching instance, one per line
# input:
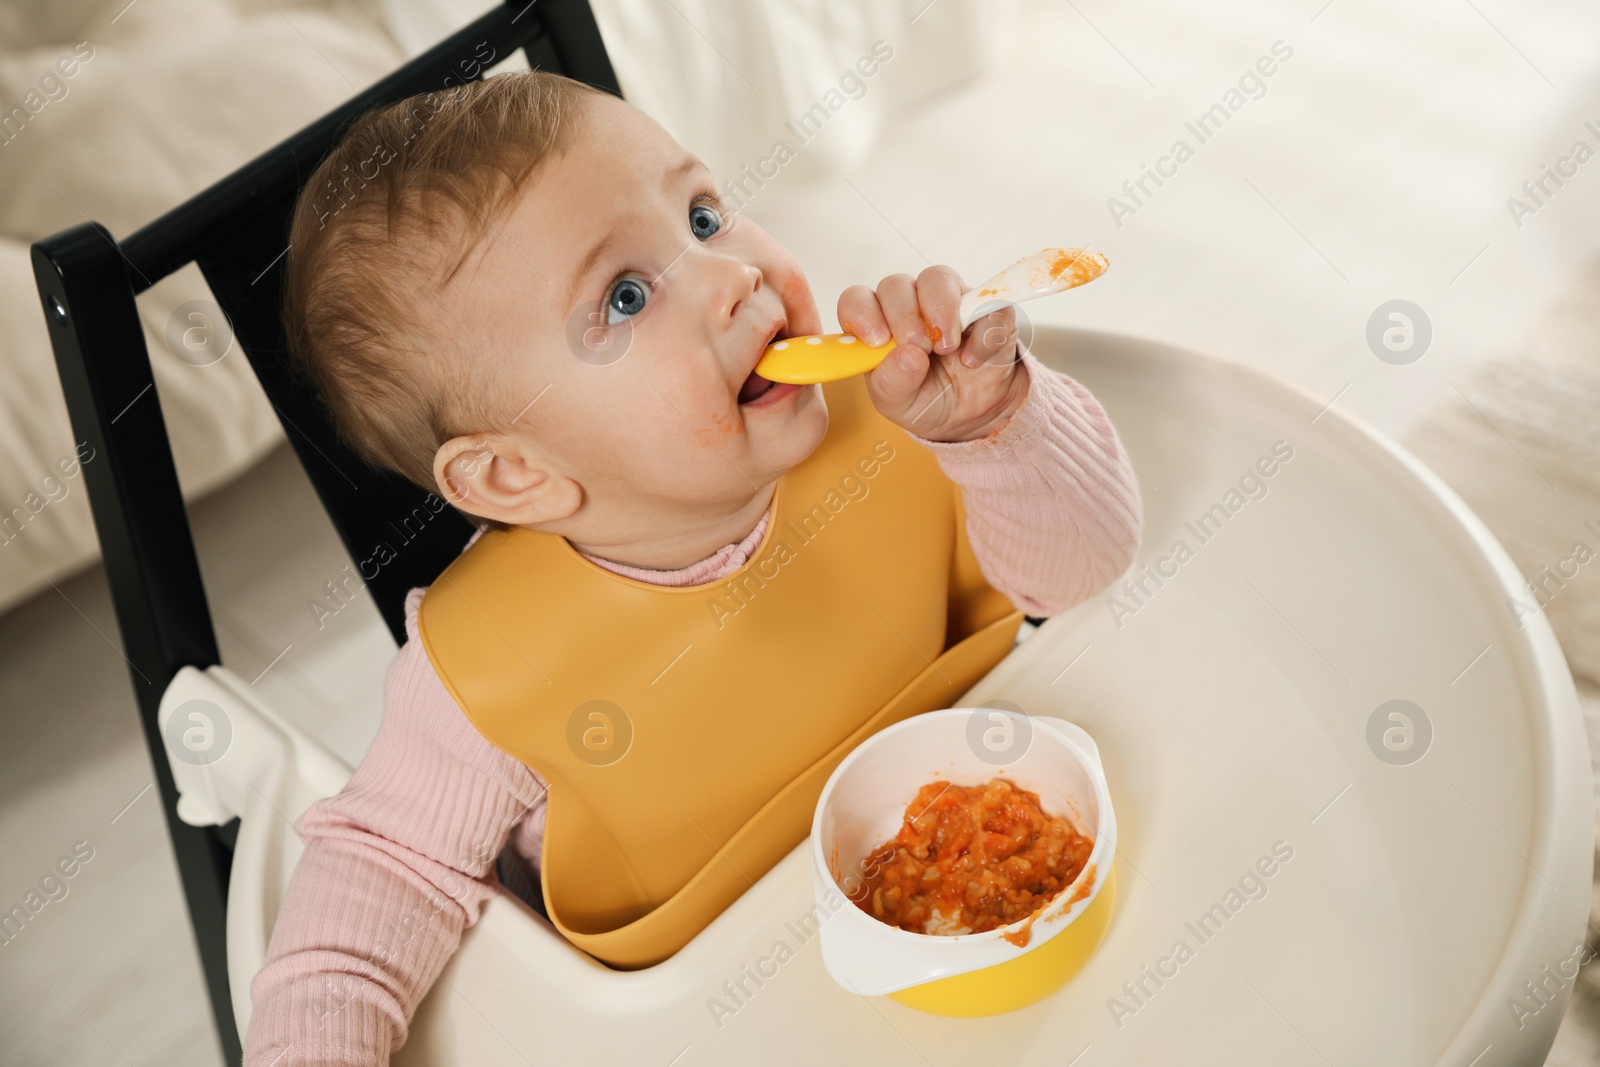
<point x="937" y="384"/>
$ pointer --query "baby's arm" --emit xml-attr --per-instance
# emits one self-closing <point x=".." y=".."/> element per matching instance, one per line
<point x="1053" y="508"/>
<point x="395" y="867"/>
<point x="1052" y="500"/>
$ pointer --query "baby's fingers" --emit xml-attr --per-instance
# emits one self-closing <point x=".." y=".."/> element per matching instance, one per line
<point x="897" y="295"/>
<point x="991" y="339"/>
<point x="939" y="297"/>
<point x="896" y="381"/>
<point x="860" y="314"/>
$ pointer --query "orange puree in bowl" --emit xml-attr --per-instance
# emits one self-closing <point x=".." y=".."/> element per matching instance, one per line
<point x="969" y="859"/>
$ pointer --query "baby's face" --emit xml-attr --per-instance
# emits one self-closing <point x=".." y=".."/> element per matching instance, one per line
<point x="624" y="311"/>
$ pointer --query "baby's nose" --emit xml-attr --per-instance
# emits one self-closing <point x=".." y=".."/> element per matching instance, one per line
<point x="736" y="282"/>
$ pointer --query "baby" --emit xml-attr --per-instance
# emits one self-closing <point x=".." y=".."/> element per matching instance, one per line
<point x="524" y="295"/>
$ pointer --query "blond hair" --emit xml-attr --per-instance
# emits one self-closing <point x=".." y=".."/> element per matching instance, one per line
<point x="390" y="215"/>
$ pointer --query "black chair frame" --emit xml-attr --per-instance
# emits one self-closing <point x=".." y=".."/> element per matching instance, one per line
<point x="237" y="231"/>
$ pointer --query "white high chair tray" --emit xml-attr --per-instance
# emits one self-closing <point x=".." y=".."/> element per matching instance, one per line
<point x="1232" y="705"/>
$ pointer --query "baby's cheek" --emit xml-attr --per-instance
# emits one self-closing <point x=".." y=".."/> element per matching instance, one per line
<point x="795" y="290"/>
<point x="800" y="305"/>
<point x="718" y="428"/>
<point x="693" y="426"/>
<point x="714" y="421"/>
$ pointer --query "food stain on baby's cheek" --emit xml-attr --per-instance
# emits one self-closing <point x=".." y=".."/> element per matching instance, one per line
<point x="721" y="428"/>
<point x="794" y="291"/>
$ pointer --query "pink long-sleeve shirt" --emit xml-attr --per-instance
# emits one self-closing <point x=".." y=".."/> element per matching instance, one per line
<point x="401" y="861"/>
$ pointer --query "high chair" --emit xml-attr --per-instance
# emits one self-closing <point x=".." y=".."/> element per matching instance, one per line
<point x="1243" y="691"/>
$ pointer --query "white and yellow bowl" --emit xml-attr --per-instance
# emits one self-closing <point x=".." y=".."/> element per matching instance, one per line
<point x="863" y="805"/>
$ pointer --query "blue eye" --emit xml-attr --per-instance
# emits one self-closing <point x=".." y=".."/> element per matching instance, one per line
<point x="626" y="299"/>
<point x="704" y="221"/>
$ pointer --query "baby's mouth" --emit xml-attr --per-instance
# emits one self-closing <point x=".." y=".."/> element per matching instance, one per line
<point x="755" y="386"/>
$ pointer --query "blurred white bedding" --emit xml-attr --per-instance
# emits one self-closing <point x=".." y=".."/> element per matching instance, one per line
<point x="173" y="95"/>
<point x="726" y="76"/>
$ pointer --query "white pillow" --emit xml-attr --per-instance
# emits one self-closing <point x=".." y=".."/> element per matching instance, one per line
<point x="175" y="95"/>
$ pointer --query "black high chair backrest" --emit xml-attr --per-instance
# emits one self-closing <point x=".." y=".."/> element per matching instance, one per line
<point x="237" y="232"/>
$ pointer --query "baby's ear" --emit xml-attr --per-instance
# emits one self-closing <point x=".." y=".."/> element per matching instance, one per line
<point x="495" y="477"/>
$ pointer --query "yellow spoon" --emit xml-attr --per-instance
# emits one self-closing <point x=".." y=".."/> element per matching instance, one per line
<point x="829" y="357"/>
